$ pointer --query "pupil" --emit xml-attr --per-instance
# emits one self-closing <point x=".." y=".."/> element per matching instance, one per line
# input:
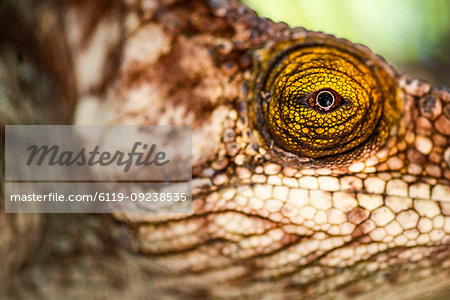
<point x="325" y="99"/>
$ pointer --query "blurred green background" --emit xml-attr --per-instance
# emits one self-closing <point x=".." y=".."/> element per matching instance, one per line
<point x="413" y="35"/>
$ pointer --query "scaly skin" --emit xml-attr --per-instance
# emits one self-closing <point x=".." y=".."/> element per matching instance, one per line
<point x="370" y="225"/>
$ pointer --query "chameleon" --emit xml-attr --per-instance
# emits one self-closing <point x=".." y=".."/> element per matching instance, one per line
<point x="319" y="170"/>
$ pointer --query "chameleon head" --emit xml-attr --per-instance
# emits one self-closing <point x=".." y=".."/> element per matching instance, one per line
<point x="317" y="99"/>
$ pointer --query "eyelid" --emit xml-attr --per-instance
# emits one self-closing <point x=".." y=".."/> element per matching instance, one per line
<point x="287" y="122"/>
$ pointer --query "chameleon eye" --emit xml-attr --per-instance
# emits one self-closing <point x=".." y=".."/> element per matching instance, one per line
<point x="317" y="100"/>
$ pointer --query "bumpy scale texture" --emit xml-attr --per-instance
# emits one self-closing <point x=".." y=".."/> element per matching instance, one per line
<point x="288" y="201"/>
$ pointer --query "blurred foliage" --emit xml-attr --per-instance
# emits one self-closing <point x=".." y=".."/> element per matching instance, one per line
<point x="408" y="33"/>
